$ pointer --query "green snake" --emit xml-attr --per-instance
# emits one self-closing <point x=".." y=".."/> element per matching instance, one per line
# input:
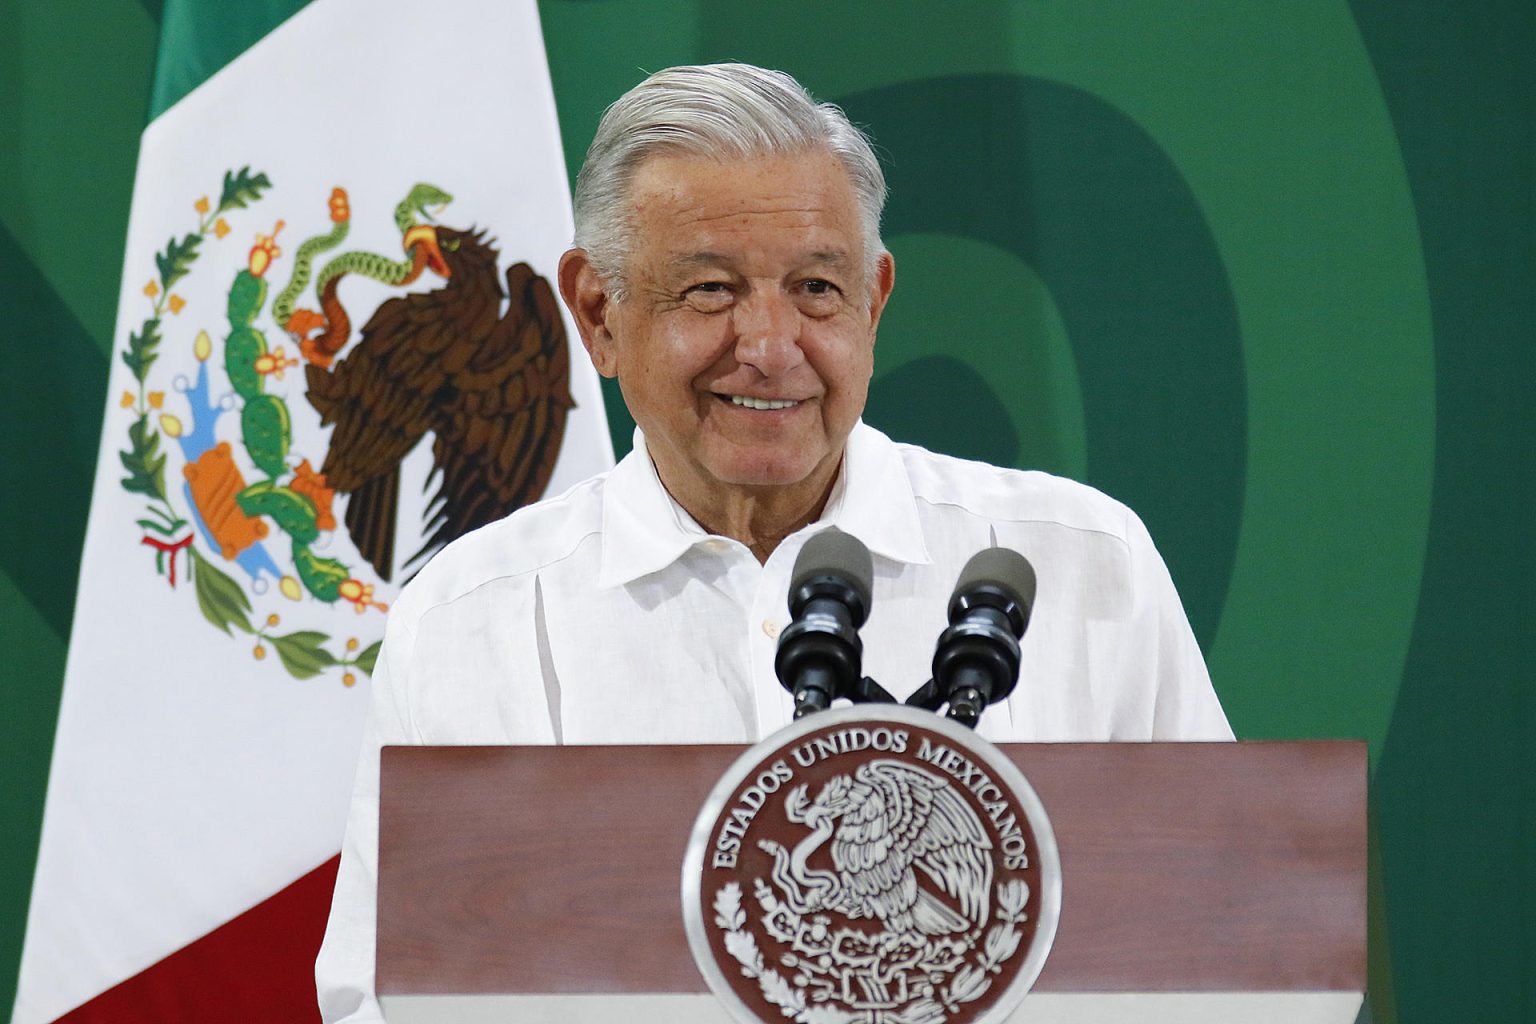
<point x="421" y="199"/>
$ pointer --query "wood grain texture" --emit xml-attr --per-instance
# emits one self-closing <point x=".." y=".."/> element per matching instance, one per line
<point x="1186" y="867"/>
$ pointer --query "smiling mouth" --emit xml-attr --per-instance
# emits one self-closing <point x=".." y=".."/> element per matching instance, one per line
<point x="759" y="403"/>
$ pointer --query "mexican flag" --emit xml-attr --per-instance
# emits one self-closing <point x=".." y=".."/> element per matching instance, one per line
<point x="292" y="428"/>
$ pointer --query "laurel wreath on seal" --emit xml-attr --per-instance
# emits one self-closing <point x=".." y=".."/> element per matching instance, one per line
<point x="969" y="982"/>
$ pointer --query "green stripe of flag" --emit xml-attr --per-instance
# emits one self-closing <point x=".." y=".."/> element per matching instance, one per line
<point x="198" y="38"/>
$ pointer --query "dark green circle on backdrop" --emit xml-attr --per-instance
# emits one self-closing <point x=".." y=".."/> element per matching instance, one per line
<point x="1080" y="194"/>
<point x="1274" y="120"/>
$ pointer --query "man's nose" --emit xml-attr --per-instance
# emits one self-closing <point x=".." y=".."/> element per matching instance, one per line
<point x="768" y="333"/>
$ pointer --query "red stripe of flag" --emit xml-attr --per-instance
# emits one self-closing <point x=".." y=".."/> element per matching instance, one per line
<point x="260" y="966"/>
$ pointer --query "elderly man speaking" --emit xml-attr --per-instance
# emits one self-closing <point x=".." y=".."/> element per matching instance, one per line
<point x="728" y="270"/>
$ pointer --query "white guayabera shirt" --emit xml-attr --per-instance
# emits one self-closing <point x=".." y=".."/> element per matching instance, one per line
<point x="607" y="615"/>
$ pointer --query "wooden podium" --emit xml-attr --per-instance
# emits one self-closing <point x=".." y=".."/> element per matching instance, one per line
<point x="1200" y="882"/>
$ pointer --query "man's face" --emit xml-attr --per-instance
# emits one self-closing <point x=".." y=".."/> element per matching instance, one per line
<point x="745" y="341"/>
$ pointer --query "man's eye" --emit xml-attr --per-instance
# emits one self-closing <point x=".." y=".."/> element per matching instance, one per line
<point x="708" y="295"/>
<point x="820" y="297"/>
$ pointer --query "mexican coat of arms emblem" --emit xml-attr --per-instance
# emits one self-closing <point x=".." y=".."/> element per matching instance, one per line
<point x="867" y="867"/>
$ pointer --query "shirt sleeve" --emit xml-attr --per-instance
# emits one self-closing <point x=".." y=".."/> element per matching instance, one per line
<point x="344" y="970"/>
<point x="1164" y="651"/>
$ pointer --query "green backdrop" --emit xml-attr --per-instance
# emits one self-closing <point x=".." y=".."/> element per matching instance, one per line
<point x="1263" y="271"/>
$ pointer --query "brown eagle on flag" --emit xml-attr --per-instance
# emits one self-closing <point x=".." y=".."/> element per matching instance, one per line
<point x="491" y="384"/>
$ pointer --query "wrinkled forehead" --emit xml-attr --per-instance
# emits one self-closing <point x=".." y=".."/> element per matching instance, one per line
<point x="691" y="212"/>
<point x="685" y="261"/>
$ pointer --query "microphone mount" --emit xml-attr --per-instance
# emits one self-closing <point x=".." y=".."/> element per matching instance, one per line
<point x="819" y="657"/>
<point x="976" y="661"/>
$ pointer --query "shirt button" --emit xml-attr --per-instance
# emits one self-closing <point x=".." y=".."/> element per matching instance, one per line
<point x="771" y="628"/>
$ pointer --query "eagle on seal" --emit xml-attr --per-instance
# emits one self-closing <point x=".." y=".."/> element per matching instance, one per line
<point x="901" y="839"/>
<point x="490" y="382"/>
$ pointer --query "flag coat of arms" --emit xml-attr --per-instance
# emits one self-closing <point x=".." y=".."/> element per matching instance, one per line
<point x="337" y="349"/>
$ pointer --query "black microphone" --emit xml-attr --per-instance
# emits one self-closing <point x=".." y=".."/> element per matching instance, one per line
<point x="976" y="662"/>
<point x="820" y="654"/>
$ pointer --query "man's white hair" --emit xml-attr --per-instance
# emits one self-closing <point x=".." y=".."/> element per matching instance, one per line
<point x="721" y="111"/>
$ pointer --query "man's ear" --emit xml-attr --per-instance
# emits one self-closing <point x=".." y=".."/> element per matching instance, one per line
<point x="587" y="297"/>
<point x="880" y="288"/>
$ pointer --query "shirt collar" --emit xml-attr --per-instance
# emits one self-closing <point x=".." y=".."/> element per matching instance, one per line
<point x="645" y="529"/>
<point x="873" y="500"/>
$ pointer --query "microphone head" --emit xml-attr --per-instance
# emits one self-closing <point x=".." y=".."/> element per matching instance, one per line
<point x="996" y="576"/>
<point x="833" y="555"/>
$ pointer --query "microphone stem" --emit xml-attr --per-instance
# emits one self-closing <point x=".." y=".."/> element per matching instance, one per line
<point x="814" y="688"/>
<point x="965" y="705"/>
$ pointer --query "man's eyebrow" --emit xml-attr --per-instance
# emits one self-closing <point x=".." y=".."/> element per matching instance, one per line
<point x="835" y="258"/>
<point x="702" y="258"/>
